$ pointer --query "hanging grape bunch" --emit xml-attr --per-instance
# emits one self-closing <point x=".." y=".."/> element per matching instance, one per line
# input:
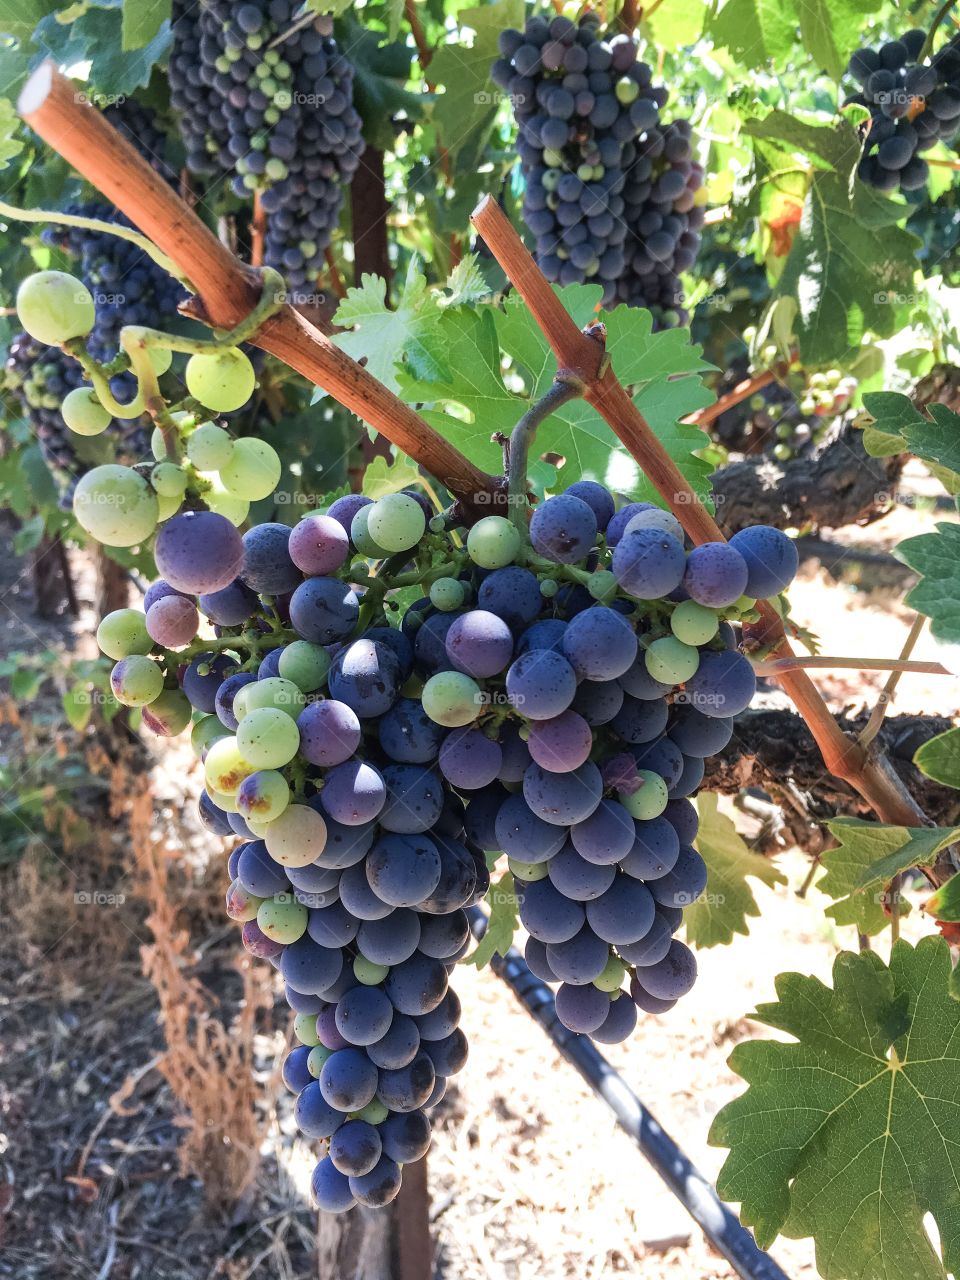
<point x="610" y="189"/>
<point x="913" y="106"/>
<point x="270" y="102"/>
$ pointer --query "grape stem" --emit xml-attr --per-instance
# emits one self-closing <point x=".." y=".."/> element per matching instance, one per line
<point x="872" y="727"/>
<point x="565" y="387"/>
<point x="938" y="19"/>
<point x="897" y="665"/>
<point x="95" y="224"/>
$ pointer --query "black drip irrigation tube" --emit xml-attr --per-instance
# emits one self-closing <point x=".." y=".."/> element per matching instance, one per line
<point x="688" y="1184"/>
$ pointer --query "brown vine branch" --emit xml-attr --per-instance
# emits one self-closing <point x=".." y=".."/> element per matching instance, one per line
<point x="226" y="291"/>
<point x="258" y="231"/>
<point x="424" y="52"/>
<point x="897" y="665"/>
<point x="742" y="391"/>
<point x="576" y="352"/>
<point x="628" y="17"/>
<point x="872" y="727"/>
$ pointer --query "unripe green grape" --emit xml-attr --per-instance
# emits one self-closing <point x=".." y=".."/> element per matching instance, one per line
<point x="116" y="506"/>
<point x="298" y="837"/>
<point x="168" y="714"/>
<point x="136" y="681"/>
<point x="549" y="588"/>
<point x="54" y="307"/>
<point x="222" y="380"/>
<point x="743" y="604"/>
<point x="223" y="503"/>
<point x="451" y="699"/>
<point x="396" y="522"/>
<point x="305" y="664"/>
<point x="553" y="159"/>
<point x="784" y="431"/>
<point x="168" y="480"/>
<point x="276" y="692"/>
<point x="782" y="452"/>
<point x="757" y="402"/>
<point x="528" y="872"/>
<point x="227" y="803"/>
<point x="612" y="976"/>
<point x="551" y="179"/>
<point x="225" y="768"/>
<point x="122" y="633"/>
<point x="268" y="738"/>
<point x="671" y="661"/>
<point x="316" y="1058"/>
<point x="257" y="828"/>
<point x="361" y="537"/>
<point x="375" y="1112"/>
<point x="253" y="471"/>
<point x="158" y="446"/>
<point x="161" y="358"/>
<point x="446" y="594"/>
<point x="602" y="585"/>
<point x="626" y="90"/>
<point x="493" y="542"/>
<point x="209" y="447"/>
<point x="83" y="413"/>
<point x="649" y="800"/>
<point x="206" y="732"/>
<point x="167" y="507"/>
<point x="282" y="918"/>
<point x="241" y="904"/>
<point x="305" y="1029"/>
<point x="585" y="172"/>
<point x="368" y="973"/>
<point x="694" y="623"/>
<point x="263" y="796"/>
<point x="437" y="524"/>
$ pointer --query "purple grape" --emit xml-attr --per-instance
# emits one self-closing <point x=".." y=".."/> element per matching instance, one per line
<point x="329" y="732"/>
<point x="198" y="552"/>
<point x="319" y="544"/>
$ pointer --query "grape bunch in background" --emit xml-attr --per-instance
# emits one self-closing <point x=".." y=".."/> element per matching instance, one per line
<point x="913" y="106"/>
<point x="610" y="190"/>
<point x="268" y="100"/>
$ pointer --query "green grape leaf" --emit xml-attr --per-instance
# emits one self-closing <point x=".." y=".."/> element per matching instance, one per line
<point x="333" y="7"/>
<point x="892" y="414"/>
<point x="381" y="336"/>
<point x="869" y="855"/>
<point x="756" y="32"/>
<point x="937" y="595"/>
<point x="850" y="268"/>
<point x="379" y="87"/>
<point x="11" y="141"/>
<point x="29" y="534"/>
<point x="502" y="923"/>
<point x="676" y="24"/>
<point x="939" y="758"/>
<point x="846" y="1134"/>
<point x="898" y="426"/>
<point x="96" y="36"/>
<point x="944" y="903"/>
<point x="19" y="18"/>
<point x="723" y="908"/>
<point x="466" y="111"/>
<point x="831" y="28"/>
<point x="142" y="20"/>
<point x="380" y="479"/>
<point x="78" y="706"/>
<point x="465" y="283"/>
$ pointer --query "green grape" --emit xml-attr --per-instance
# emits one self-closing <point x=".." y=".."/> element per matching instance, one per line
<point x="158" y="446"/>
<point x="222" y="381"/>
<point x="585" y="172"/>
<point x="297" y="837"/>
<point x="123" y="632"/>
<point x="551" y="179"/>
<point x="227" y="803"/>
<point x="167" y="507"/>
<point x="304" y="664"/>
<point x="253" y="471"/>
<point x="259" y="829"/>
<point x="375" y="1112"/>
<point x="649" y="800"/>
<point x="136" y="681"/>
<point x="452" y="699"/>
<point x="671" y="661"/>
<point x="528" y="872"/>
<point x="784" y="431"/>
<point x="161" y="358"/>
<point x="83" y="413"/>
<point x="264" y="796"/>
<point x="757" y="402"/>
<point x="241" y="905"/>
<point x="268" y="738"/>
<point x="446" y="594"/>
<point x="743" y="604"/>
<point x="168" y="480"/>
<point x="305" y="1029"/>
<point x="205" y="732"/>
<point x="396" y="522"/>
<point x="209" y="448"/>
<point x="282" y="918"/>
<point x="275" y="692"/>
<point x="116" y="506"/>
<point x="553" y="159"/>
<point x="412" y="687"/>
<point x="437" y="524"/>
<point x="225" y="768"/>
<point x="362" y="539"/>
<point x="493" y="542"/>
<point x="627" y="90"/>
<point x="782" y="452"/>
<point x="223" y="503"/>
<point x="316" y="1058"/>
<point x="368" y="973"/>
<point x="549" y="588"/>
<point x="694" y="623"/>
<point x="169" y="713"/>
<point x="612" y="976"/>
<point x="54" y="307"/>
<point x="602" y="585"/>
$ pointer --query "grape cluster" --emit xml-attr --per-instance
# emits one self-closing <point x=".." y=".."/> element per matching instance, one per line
<point x="784" y="417"/>
<point x="609" y="188"/>
<point x="269" y="102"/>
<point x="913" y="106"/>
<point x="140" y="126"/>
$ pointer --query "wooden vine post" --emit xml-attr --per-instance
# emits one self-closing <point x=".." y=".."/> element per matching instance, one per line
<point x="226" y="292"/>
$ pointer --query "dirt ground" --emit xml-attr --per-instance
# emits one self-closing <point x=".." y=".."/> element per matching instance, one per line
<point x="529" y="1175"/>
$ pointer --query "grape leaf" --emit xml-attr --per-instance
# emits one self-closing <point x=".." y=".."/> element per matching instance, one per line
<point x="940" y="758"/>
<point x="892" y="414"/>
<point x="675" y="24"/>
<point x="78" y="706"/>
<point x="944" y="903"/>
<point x="756" y="32"/>
<point x="465" y="283"/>
<point x="830" y="28"/>
<point x="722" y="910"/>
<point x="898" y="426"/>
<point x="11" y="142"/>
<point x="381" y="336"/>
<point x="937" y="557"/>
<point x="96" y="36"/>
<point x="379" y="479"/>
<point x="850" y="268"/>
<point x="501" y="923"/>
<point x="19" y="18"/>
<point x="848" y="1133"/>
<point x="869" y="855"/>
<point x="379" y="86"/>
<point x="142" y="19"/>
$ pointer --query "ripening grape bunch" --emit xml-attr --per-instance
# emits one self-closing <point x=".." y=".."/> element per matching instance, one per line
<point x="268" y="99"/>
<point x="785" y="417"/>
<point x="913" y="106"/>
<point x="610" y="189"/>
